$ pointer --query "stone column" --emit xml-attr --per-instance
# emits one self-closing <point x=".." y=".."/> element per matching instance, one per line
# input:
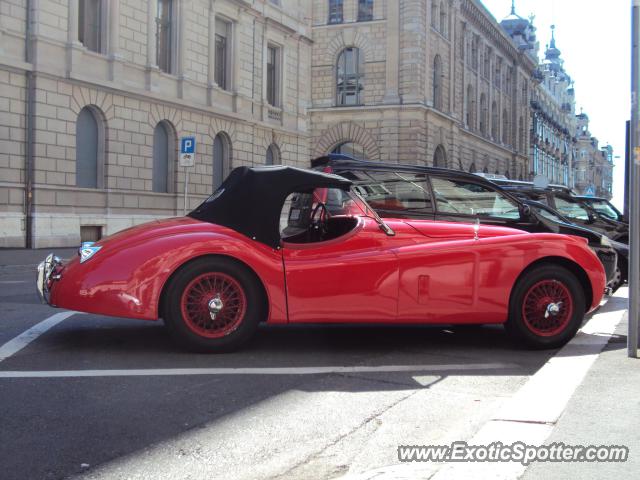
<point x="211" y="57"/>
<point x="114" y="27"/>
<point x="73" y="47"/>
<point x="181" y="50"/>
<point x="115" y="65"/>
<point x="72" y="25"/>
<point x="152" y="13"/>
<point x="453" y="24"/>
<point x="392" y="95"/>
<point x="151" y="67"/>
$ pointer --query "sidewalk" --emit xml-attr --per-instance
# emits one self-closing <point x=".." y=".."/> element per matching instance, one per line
<point x="604" y="410"/>
<point x="27" y="257"/>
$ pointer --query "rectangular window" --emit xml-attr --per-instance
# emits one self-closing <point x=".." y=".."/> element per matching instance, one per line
<point x="335" y="11"/>
<point x="498" y="73"/>
<point x="273" y="73"/>
<point x="487" y="62"/>
<point x="89" y="24"/>
<point x="365" y="10"/>
<point x="222" y="76"/>
<point x="163" y="35"/>
<point x="474" y="51"/>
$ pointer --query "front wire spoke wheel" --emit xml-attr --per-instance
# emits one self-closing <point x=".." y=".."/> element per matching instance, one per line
<point x="547" y="307"/>
<point x="201" y="317"/>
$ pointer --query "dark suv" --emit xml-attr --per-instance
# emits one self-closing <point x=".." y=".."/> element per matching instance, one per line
<point x="572" y="207"/>
<point x="412" y="191"/>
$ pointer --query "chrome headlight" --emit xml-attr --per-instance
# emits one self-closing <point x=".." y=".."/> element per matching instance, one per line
<point x="47" y="272"/>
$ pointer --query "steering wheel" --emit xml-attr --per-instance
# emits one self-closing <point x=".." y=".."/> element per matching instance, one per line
<point x="318" y="227"/>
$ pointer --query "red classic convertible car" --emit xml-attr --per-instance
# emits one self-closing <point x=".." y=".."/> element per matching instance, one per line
<point x="286" y="245"/>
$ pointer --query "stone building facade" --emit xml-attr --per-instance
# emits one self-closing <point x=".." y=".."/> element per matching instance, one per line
<point x="426" y="82"/>
<point x="553" y="145"/>
<point x="95" y="94"/>
<point x="593" y="164"/>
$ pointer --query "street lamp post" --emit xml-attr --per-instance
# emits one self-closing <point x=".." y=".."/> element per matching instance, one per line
<point x="634" y="185"/>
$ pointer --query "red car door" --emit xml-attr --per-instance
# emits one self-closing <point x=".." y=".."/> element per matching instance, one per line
<point x="352" y="278"/>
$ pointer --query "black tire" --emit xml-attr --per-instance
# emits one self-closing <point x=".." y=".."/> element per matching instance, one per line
<point x="233" y="326"/>
<point x="528" y="325"/>
<point x="617" y="280"/>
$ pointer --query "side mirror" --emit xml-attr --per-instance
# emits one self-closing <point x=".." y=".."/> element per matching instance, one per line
<point x="525" y="210"/>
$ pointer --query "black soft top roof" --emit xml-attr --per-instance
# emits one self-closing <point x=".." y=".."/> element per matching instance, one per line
<point x="250" y="200"/>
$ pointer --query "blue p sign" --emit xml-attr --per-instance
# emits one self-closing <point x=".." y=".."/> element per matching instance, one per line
<point x="188" y="145"/>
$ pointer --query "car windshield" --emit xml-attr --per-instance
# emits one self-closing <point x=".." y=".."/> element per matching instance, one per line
<point x="467" y="198"/>
<point x="572" y="209"/>
<point x="605" y="208"/>
<point x="392" y="194"/>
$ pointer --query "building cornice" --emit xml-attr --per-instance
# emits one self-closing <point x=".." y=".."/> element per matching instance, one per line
<point x="490" y="28"/>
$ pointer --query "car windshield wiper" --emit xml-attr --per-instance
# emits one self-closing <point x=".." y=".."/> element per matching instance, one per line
<point x="372" y="213"/>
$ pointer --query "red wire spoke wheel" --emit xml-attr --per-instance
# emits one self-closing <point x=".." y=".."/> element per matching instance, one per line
<point x="547" y="308"/>
<point x="212" y="287"/>
<point x="213" y="304"/>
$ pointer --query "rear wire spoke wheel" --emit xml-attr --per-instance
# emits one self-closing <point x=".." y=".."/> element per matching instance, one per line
<point x="213" y="305"/>
<point x="546" y="308"/>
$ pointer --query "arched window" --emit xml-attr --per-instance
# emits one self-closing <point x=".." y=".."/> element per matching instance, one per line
<point x="505" y="128"/>
<point x="483" y="114"/>
<point x="89" y="149"/>
<point x="443" y="19"/>
<point x="494" y="121"/>
<point x="472" y="168"/>
<point x="163" y="147"/>
<point x="350" y="73"/>
<point x="485" y="170"/>
<point x="506" y="173"/>
<point x="273" y="155"/>
<point x="471" y="103"/>
<point x="221" y="159"/>
<point x="440" y="157"/>
<point x="437" y="82"/>
<point x="354" y="150"/>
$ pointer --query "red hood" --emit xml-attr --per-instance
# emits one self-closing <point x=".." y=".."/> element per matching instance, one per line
<point x="451" y="230"/>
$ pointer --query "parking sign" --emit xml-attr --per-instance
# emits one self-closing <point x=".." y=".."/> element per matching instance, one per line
<point x="187" y="151"/>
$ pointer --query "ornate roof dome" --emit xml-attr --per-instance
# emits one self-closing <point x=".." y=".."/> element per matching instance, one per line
<point x="514" y="24"/>
<point x="552" y="52"/>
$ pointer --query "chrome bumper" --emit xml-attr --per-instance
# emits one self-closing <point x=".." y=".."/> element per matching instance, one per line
<point x="48" y="271"/>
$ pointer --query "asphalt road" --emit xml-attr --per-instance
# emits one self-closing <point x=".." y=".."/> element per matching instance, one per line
<point x="242" y="424"/>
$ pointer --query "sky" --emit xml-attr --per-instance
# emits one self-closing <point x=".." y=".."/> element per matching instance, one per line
<point x="594" y="37"/>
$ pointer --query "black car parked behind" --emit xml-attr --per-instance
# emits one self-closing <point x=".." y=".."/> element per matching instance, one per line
<point x="412" y="191"/>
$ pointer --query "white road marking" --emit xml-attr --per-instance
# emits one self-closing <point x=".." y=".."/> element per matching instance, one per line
<point x="18" y="343"/>
<point x="11" y="282"/>
<point x="530" y="415"/>
<point x="254" y="371"/>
